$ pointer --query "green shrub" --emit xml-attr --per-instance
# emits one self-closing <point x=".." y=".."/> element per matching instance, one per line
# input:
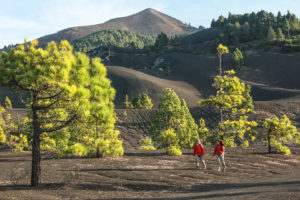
<point x="148" y="148"/>
<point x="168" y="138"/>
<point x="204" y="134"/>
<point x="174" y="150"/>
<point x="245" y="144"/>
<point x="18" y="143"/>
<point x="142" y="101"/>
<point x="111" y="146"/>
<point x="2" y="136"/>
<point x="229" y="141"/>
<point x="78" y="150"/>
<point x="147" y="144"/>
<point x="281" y="148"/>
<point x="280" y="131"/>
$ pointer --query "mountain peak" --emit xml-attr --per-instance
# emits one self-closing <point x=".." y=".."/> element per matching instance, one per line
<point x="146" y="22"/>
<point x="151" y="10"/>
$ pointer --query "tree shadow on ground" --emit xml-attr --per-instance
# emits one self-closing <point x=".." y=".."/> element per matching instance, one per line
<point x="13" y="160"/>
<point x="222" y="195"/>
<point x="143" y="154"/>
<point x="265" y="153"/>
<point x="43" y="186"/>
<point x="125" y="186"/>
<point x="131" y="170"/>
<point x="213" y="187"/>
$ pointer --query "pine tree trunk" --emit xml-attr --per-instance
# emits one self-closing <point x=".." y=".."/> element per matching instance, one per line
<point x="269" y="141"/>
<point x="36" y="156"/>
<point x="220" y="65"/>
<point x="221" y="116"/>
<point x="98" y="149"/>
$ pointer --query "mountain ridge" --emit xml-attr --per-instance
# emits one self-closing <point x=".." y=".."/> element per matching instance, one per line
<point x="157" y="22"/>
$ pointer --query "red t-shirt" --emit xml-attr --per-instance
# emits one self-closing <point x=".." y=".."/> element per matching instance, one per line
<point x="198" y="149"/>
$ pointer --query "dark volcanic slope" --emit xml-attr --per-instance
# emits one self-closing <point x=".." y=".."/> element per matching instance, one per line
<point x="147" y="22"/>
<point x="132" y="82"/>
<point x="273" y="76"/>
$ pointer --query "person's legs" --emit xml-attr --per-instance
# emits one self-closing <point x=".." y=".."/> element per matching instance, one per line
<point x="219" y="162"/>
<point x="197" y="160"/>
<point x="203" y="162"/>
<point x="222" y="159"/>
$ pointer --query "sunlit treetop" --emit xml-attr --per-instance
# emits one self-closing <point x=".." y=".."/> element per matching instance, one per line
<point x="222" y="49"/>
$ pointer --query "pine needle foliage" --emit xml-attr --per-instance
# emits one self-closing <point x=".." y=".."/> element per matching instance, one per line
<point x="280" y="132"/>
<point x="173" y="119"/>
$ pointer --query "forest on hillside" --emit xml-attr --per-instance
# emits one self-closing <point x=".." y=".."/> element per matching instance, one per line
<point x="116" y="38"/>
<point x="282" y="30"/>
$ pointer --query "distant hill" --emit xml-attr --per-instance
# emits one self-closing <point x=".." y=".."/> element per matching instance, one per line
<point x="146" y="22"/>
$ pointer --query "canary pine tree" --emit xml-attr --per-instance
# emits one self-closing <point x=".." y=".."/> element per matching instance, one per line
<point x="142" y="101"/>
<point x="232" y="96"/>
<point x="59" y="85"/>
<point x="280" y="131"/>
<point x="238" y="59"/>
<point x="173" y="118"/>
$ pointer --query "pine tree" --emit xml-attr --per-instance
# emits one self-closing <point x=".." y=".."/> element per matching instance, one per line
<point x="286" y="27"/>
<point x="59" y="83"/>
<point x="169" y="109"/>
<point x="161" y="41"/>
<point x="271" y="34"/>
<point x="234" y="97"/>
<point x="142" y="101"/>
<point x="279" y="34"/>
<point x="187" y="131"/>
<point x="238" y="59"/>
<point x="221" y="50"/>
<point x="97" y="132"/>
<point x="280" y="131"/>
<point x="173" y="114"/>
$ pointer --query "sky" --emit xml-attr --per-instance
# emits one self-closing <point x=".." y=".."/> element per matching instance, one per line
<point x="31" y="19"/>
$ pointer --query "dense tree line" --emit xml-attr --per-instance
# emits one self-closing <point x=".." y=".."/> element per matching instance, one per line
<point x="256" y="26"/>
<point x="117" y="38"/>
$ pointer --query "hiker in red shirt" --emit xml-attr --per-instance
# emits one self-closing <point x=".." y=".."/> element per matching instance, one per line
<point x="219" y="152"/>
<point x="199" y="153"/>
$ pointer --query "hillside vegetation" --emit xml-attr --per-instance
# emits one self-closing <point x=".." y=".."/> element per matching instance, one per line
<point x="271" y="30"/>
<point x="117" y="38"/>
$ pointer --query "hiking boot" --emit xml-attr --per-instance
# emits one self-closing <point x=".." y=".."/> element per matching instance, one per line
<point x="219" y="169"/>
